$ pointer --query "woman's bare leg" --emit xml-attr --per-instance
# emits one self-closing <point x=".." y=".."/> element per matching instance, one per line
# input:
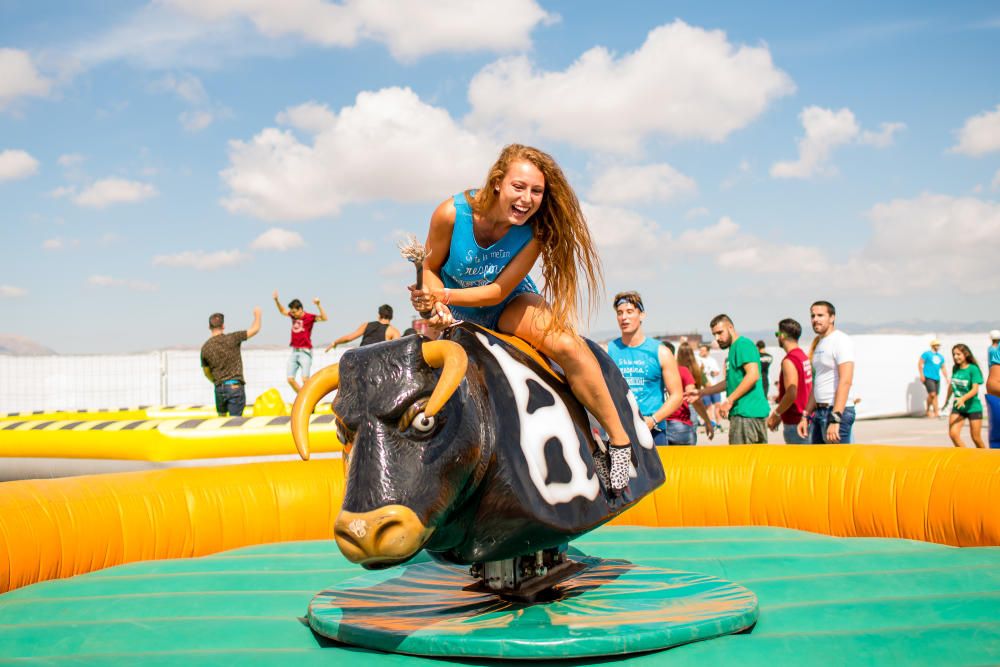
<point x="955" y="429"/>
<point x="976" y="429"/>
<point x="527" y="317"/>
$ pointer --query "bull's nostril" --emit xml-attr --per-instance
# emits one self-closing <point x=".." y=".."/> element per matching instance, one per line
<point x="391" y="537"/>
<point x="390" y="533"/>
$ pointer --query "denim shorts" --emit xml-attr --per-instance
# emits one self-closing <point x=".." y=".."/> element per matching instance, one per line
<point x="679" y="433"/>
<point x="301" y="358"/>
<point x="488" y="317"/>
<point x="792" y="437"/>
<point x="659" y="437"/>
<point x="820" y="421"/>
<point x="709" y="399"/>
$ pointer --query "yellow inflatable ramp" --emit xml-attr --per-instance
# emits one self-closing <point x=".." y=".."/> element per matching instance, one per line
<point x="62" y="527"/>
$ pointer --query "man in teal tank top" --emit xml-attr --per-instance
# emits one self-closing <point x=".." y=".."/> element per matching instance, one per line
<point x="746" y="402"/>
<point x="648" y="367"/>
<point x="470" y="265"/>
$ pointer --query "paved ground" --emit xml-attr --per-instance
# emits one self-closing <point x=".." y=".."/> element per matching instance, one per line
<point x="909" y="431"/>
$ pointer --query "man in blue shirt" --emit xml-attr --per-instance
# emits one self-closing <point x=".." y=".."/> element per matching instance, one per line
<point x="993" y="389"/>
<point x="649" y="368"/>
<point x="931" y="366"/>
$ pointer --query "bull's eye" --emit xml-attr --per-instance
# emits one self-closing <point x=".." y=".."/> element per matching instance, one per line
<point x="416" y="421"/>
<point x="422" y="423"/>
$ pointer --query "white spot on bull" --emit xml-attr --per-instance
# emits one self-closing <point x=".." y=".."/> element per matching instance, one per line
<point x="359" y="527"/>
<point x="645" y="437"/>
<point x="537" y="428"/>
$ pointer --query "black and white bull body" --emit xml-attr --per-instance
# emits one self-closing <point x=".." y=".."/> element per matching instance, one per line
<point x="501" y="466"/>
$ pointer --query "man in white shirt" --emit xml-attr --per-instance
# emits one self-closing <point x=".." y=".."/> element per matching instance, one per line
<point x="712" y="374"/>
<point x="829" y="415"/>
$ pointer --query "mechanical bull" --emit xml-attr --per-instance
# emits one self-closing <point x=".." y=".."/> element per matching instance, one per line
<point x="470" y="447"/>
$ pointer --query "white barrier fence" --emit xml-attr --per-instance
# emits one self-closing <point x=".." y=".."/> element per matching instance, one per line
<point x="171" y="377"/>
<point x="886" y="377"/>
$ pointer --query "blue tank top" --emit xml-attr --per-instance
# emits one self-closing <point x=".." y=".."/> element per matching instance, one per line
<point x="640" y="365"/>
<point x="471" y="265"/>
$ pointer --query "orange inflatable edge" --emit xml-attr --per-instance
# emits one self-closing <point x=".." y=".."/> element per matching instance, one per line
<point x="62" y="527"/>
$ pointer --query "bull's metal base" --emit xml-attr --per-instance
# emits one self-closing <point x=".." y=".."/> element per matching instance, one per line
<point x="611" y="607"/>
<point x="525" y="578"/>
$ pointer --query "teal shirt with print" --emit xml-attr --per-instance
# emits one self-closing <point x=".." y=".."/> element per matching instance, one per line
<point x="640" y="366"/>
<point x="753" y="404"/>
<point x="961" y="383"/>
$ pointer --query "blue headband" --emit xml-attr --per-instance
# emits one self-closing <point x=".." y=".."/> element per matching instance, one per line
<point x="630" y="298"/>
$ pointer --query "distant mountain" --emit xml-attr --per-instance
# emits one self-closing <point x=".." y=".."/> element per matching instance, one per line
<point x="21" y="346"/>
<point x="922" y="326"/>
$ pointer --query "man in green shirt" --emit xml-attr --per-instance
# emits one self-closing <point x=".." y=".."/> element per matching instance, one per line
<point x="746" y="402"/>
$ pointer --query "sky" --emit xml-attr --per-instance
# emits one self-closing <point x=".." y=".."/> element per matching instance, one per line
<point x="162" y="161"/>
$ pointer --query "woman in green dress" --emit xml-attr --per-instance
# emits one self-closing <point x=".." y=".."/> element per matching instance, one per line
<point x="966" y="378"/>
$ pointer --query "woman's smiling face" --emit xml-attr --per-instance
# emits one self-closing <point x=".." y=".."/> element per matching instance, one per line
<point x="520" y="193"/>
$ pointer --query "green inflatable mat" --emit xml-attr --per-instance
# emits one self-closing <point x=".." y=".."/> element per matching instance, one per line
<point x="822" y="600"/>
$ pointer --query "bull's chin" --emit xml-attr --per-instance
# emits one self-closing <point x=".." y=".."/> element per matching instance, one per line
<point x="385" y="563"/>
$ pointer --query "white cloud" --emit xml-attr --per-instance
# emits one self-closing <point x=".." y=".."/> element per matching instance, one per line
<point x="16" y="164"/>
<point x="409" y="29"/>
<point x="158" y="37"/>
<point x="980" y="134"/>
<point x="883" y="138"/>
<point x="707" y="240"/>
<point x="958" y="237"/>
<point x="195" y="121"/>
<point x="188" y="87"/>
<point x="365" y="247"/>
<point x="630" y="245"/>
<point x="389" y="145"/>
<point x="135" y="285"/>
<point x="201" y="260"/>
<point x="742" y="171"/>
<point x="735" y="250"/>
<point x="278" y="239"/>
<point x="19" y="78"/>
<point x="59" y="243"/>
<point x="70" y="159"/>
<point x="697" y="212"/>
<point x="110" y="191"/>
<point x="825" y="130"/>
<point x="62" y="191"/>
<point x="640" y="183"/>
<point x="311" y="117"/>
<point x="11" y="292"/>
<point x="683" y="82"/>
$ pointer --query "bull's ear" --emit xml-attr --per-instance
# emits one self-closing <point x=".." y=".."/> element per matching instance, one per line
<point x="312" y="391"/>
<point x="453" y="361"/>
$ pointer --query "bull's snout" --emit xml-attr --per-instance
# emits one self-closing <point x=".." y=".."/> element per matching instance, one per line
<point x="381" y="537"/>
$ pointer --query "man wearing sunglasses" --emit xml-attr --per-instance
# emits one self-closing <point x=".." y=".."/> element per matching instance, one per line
<point x="794" y="384"/>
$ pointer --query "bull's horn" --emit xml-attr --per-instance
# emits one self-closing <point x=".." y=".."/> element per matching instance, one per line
<point x="452" y="360"/>
<point x="312" y="391"/>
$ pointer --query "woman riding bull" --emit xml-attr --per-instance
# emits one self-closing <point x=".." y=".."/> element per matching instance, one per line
<point x="482" y="245"/>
